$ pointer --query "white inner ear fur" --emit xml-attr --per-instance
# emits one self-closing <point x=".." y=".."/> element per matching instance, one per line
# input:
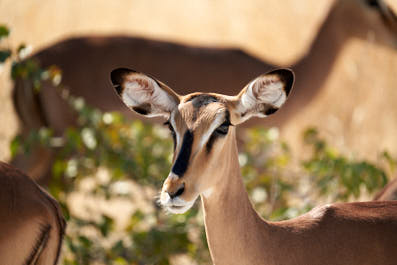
<point x="140" y="89"/>
<point x="264" y="89"/>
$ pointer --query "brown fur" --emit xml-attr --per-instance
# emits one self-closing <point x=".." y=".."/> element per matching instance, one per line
<point x="349" y="233"/>
<point x="32" y="225"/>
<point x="337" y="234"/>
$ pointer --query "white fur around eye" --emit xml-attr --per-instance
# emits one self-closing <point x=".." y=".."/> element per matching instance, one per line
<point x="215" y="124"/>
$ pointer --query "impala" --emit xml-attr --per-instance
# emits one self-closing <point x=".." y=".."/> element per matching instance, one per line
<point x="31" y="222"/>
<point x="205" y="164"/>
<point x="86" y="61"/>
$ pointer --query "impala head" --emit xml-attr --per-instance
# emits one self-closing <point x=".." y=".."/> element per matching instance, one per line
<point x="202" y="126"/>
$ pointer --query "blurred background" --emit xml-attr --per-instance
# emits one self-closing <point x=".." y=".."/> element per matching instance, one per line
<point x="335" y="140"/>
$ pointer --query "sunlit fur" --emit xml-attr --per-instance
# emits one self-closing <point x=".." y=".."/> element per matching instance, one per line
<point x="31" y="222"/>
<point x="198" y="115"/>
<point x="336" y="234"/>
<point x="200" y="168"/>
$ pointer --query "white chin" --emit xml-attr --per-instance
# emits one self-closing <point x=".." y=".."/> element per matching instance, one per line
<point x="179" y="209"/>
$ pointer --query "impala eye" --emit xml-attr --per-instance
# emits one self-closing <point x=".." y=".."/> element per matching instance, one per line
<point x="223" y="128"/>
<point x="221" y="131"/>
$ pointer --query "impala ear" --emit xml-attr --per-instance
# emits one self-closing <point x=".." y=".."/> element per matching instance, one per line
<point x="264" y="95"/>
<point x="144" y="94"/>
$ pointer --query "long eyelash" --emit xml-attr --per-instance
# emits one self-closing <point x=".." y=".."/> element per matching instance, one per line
<point x="227" y="123"/>
<point x="227" y="119"/>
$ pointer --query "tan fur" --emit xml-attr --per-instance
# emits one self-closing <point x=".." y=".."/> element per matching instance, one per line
<point x="344" y="233"/>
<point x="27" y="213"/>
<point x="350" y="233"/>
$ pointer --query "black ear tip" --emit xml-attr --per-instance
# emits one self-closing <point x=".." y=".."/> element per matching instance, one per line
<point x="117" y="76"/>
<point x="287" y="76"/>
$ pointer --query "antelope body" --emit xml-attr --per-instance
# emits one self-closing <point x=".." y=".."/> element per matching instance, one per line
<point x="31" y="222"/>
<point x="206" y="165"/>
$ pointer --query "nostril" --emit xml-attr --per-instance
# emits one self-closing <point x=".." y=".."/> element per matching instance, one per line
<point x="179" y="192"/>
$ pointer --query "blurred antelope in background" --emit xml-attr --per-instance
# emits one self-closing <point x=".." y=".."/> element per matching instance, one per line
<point x="86" y="60"/>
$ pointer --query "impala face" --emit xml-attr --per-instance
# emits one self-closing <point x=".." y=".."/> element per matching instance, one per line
<point x="202" y="126"/>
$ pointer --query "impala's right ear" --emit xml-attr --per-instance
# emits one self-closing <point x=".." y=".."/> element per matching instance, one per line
<point x="263" y="96"/>
<point x="144" y="94"/>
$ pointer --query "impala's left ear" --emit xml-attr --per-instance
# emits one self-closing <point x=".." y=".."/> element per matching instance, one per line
<point x="264" y="95"/>
<point x="144" y="94"/>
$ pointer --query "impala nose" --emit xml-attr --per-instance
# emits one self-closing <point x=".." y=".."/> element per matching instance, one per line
<point x="178" y="192"/>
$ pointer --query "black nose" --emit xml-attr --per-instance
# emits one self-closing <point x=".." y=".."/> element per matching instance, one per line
<point x="177" y="193"/>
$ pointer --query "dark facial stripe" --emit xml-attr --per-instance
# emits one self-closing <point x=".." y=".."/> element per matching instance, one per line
<point x="182" y="160"/>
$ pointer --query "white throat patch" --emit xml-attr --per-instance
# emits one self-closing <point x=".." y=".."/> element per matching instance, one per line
<point x="208" y="192"/>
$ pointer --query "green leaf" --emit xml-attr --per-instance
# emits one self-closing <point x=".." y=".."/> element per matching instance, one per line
<point x="21" y="47"/>
<point x="106" y="225"/>
<point x="16" y="145"/>
<point x="4" y="55"/>
<point x="4" y="31"/>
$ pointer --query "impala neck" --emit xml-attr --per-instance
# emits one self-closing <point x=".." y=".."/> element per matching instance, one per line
<point x="231" y="223"/>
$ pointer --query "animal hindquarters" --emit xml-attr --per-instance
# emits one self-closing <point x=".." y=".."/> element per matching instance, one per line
<point x="31" y="224"/>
